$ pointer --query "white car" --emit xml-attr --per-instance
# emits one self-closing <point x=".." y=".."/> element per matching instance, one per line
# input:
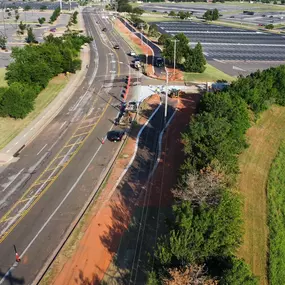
<point x="132" y="53"/>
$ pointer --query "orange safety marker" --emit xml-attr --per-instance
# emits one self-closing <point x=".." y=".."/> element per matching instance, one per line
<point x="102" y="141"/>
<point x="18" y="259"/>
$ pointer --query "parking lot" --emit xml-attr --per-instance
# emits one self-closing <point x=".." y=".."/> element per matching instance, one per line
<point x="225" y="44"/>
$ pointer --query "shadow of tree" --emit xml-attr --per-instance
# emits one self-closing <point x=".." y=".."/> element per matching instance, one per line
<point x="129" y="218"/>
<point x="11" y="280"/>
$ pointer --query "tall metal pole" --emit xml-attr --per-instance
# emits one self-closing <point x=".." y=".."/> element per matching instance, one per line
<point x="4" y="8"/>
<point x="166" y="98"/>
<point x="69" y="5"/>
<point x="174" y="63"/>
<point x="60" y="5"/>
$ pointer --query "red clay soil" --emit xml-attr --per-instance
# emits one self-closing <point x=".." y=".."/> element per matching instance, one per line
<point x="91" y="258"/>
<point x="172" y="156"/>
<point x="144" y="48"/>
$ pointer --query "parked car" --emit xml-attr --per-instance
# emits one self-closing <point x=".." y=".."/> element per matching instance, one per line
<point x="115" y="136"/>
<point x="104" y="30"/>
<point x="52" y="30"/>
<point x="232" y="17"/>
<point x="132" y="53"/>
<point x="154" y="11"/>
<point x="261" y="25"/>
<point x="116" y="47"/>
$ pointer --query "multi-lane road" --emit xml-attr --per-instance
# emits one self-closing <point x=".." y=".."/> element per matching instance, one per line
<point x="43" y="192"/>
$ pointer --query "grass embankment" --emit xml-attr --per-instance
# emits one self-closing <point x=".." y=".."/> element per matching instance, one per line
<point x="3" y="82"/>
<point x="276" y="218"/>
<point x="211" y="74"/>
<point x="10" y="128"/>
<point x="264" y="139"/>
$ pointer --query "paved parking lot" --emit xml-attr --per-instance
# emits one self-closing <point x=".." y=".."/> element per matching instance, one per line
<point x="37" y="5"/>
<point x="226" y="46"/>
<point x="226" y="43"/>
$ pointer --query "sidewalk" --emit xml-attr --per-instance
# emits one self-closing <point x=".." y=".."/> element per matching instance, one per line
<point x="37" y="125"/>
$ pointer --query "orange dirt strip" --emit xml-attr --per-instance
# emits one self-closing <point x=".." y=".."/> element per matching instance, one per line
<point x="146" y="50"/>
<point x="91" y="258"/>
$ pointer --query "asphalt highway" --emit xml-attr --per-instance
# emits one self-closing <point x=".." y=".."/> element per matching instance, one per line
<point x="37" y="5"/>
<point x="226" y="43"/>
<point x="45" y="189"/>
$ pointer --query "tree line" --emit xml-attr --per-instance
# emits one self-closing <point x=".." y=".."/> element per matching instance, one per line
<point x="32" y="68"/>
<point x="205" y="230"/>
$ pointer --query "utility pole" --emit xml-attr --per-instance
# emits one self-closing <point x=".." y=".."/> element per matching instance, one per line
<point x="174" y="63"/>
<point x="3" y="14"/>
<point x="69" y="5"/>
<point x="60" y="5"/>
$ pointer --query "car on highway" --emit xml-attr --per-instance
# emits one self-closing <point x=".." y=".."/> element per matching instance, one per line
<point x="159" y="62"/>
<point x="116" y="47"/>
<point x="132" y="53"/>
<point x="115" y="135"/>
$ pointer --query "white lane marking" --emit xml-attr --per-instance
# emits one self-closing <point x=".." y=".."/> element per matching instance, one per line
<point x="210" y="32"/>
<point x="238" y="68"/>
<point x="42" y="149"/>
<point x="219" y="60"/>
<point x="60" y="136"/>
<point x="3" y="200"/>
<point x="62" y="125"/>
<point x="90" y="112"/>
<point x="19" y="213"/>
<point x="239" y="44"/>
<point x="15" y="177"/>
<point x="31" y="129"/>
<point x="8" y="150"/>
<point x="51" y="216"/>
<point x="16" y="143"/>
<point x="25" y="134"/>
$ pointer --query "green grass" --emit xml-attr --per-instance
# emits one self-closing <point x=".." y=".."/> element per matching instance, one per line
<point x="3" y="82"/>
<point x="264" y="139"/>
<point x="211" y="74"/>
<point x="10" y="128"/>
<point x="159" y="18"/>
<point x="276" y="218"/>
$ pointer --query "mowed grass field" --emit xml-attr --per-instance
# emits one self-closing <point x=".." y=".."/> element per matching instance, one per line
<point x="211" y="74"/>
<point x="276" y="218"/>
<point x="9" y="128"/>
<point x="264" y="139"/>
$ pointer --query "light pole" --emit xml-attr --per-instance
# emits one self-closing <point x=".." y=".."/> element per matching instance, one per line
<point x="174" y="63"/>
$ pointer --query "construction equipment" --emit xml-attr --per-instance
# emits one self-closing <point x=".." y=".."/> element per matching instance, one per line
<point x="175" y="93"/>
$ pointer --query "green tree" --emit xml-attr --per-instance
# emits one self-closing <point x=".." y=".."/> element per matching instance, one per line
<point x="153" y="31"/>
<point x="163" y="38"/>
<point x="208" y="15"/>
<point x="22" y="28"/>
<point x="18" y="100"/>
<point x="238" y="273"/>
<point x="269" y="26"/>
<point x="181" y="15"/>
<point x="43" y="7"/>
<point x="215" y="14"/>
<point x="138" y="11"/>
<point x="55" y="15"/>
<point x="27" y="8"/>
<point x="202" y="232"/>
<point x="173" y="14"/>
<point x="30" y="36"/>
<point x="182" y="48"/>
<point x="17" y="17"/>
<point x="41" y="20"/>
<point x="195" y="60"/>
<point x="3" y="42"/>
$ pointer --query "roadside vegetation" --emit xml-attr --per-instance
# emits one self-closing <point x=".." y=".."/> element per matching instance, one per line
<point x="32" y="68"/>
<point x="207" y="228"/>
<point x="276" y="218"/>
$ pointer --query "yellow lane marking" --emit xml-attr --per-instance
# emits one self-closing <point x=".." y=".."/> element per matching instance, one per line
<point x="73" y="144"/>
<point x="82" y="134"/>
<point x="5" y="218"/>
<point x="46" y="188"/>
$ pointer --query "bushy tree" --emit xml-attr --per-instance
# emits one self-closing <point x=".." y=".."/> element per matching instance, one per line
<point x="138" y="11"/>
<point x="27" y="8"/>
<point x="195" y="60"/>
<point x="17" y="100"/>
<point x="22" y="27"/>
<point x="30" y="36"/>
<point x="211" y="15"/>
<point x="3" y="42"/>
<point x="41" y="20"/>
<point x="153" y="31"/>
<point x="162" y="39"/>
<point x="238" y="273"/>
<point x="43" y="7"/>
<point x="173" y="14"/>
<point x="55" y="15"/>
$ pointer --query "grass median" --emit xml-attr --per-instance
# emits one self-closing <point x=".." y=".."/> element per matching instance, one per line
<point x="264" y="139"/>
<point x="10" y="128"/>
<point x="211" y="74"/>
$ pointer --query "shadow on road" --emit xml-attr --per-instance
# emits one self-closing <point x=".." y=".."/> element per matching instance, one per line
<point x="132" y="234"/>
<point x="10" y="279"/>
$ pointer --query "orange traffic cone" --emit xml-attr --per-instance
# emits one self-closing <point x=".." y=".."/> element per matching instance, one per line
<point x="18" y="259"/>
<point x="102" y="141"/>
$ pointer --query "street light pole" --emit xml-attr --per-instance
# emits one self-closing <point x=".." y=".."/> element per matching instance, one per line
<point x="174" y="63"/>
